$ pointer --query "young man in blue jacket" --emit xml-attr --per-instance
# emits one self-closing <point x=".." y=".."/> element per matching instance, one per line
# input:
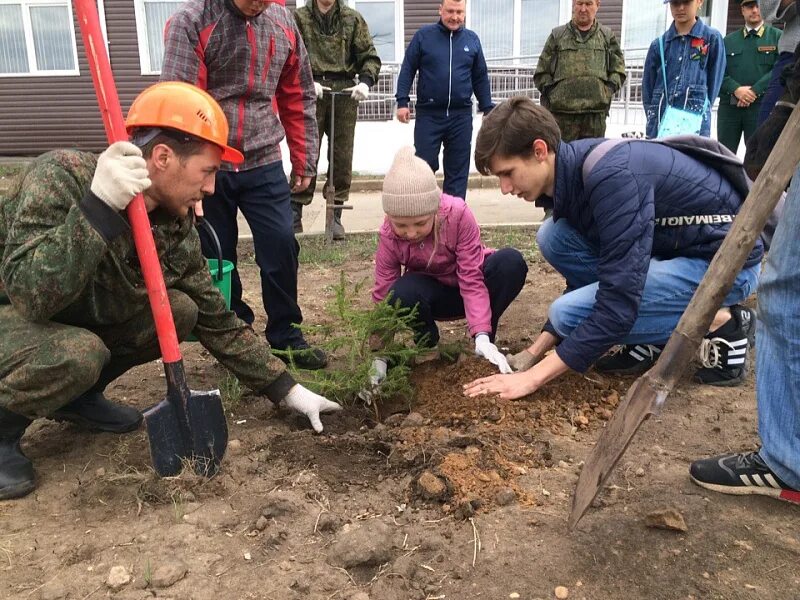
<point x="633" y="234"/>
<point x="451" y="67"/>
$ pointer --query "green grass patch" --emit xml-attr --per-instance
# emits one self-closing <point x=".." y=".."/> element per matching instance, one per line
<point x="360" y="246"/>
<point x="523" y="238"/>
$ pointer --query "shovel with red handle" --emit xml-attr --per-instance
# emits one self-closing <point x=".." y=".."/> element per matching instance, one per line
<point x="185" y="427"/>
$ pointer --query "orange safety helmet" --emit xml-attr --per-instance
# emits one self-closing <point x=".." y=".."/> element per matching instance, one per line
<point x="183" y="107"/>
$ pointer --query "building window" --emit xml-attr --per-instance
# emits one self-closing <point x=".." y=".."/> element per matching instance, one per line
<point x="539" y="17"/>
<point x="37" y="38"/>
<point x="381" y="17"/>
<point x="642" y="24"/>
<point x="532" y="21"/>
<point x="151" y="16"/>
<point x="385" y="21"/>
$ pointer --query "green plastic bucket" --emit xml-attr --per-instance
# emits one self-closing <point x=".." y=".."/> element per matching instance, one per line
<point x="221" y="281"/>
<point x="223" y="284"/>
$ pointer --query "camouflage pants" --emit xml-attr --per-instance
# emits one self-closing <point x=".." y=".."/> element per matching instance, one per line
<point x="578" y="126"/>
<point x="44" y="366"/>
<point x="343" y="134"/>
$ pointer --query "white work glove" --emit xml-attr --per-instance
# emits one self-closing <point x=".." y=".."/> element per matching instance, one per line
<point x="359" y="92"/>
<point x="486" y="349"/>
<point x="377" y="372"/>
<point x="521" y="361"/>
<point x="377" y="375"/>
<point x="306" y="402"/>
<point x="121" y="173"/>
<point x="320" y="89"/>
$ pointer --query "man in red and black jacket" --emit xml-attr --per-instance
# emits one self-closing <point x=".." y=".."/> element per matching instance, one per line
<point x="248" y="54"/>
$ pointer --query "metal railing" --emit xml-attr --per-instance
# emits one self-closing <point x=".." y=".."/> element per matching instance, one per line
<point x="512" y="76"/>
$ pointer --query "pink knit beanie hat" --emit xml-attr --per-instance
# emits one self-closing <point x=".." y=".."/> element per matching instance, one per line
<point x="409" y="188"/>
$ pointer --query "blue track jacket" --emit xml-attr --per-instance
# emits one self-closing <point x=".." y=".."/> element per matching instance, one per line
<point x="451" y="67"/>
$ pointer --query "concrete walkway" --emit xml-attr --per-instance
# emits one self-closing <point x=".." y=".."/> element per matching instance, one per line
<point x="488" y="205"/>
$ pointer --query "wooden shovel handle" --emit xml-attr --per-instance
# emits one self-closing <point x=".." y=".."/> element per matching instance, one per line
<point x="111" y="113"/>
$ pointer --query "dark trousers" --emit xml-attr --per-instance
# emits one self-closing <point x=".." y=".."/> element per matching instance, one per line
<point x="455" y="133"/>
<point x="775" y="89"/>
<point x="262" y="194"/>
<point x="503" y="272"/>
<point x="733" y="121"/>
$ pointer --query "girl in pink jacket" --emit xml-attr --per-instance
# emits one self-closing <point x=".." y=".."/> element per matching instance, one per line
<point x="430" y="255"/>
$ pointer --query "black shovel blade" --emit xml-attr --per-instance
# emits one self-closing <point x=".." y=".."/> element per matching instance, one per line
<point x="186" y="426"/>
<point x="209" y="431"/>
<point x="167" y="447"/>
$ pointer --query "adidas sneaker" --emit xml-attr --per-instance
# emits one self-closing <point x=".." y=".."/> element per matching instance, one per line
<point x="629" y="359"/>
<point x="725" y="352"/>
<point x="741" y="474"/>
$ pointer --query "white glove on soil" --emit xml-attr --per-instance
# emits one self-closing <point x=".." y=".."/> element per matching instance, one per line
<point x="521" y="361"/>
<point x="486" y="349"/>
<point x="121" y="173"/>
<point x="377" y="375"/>
<point x="319" y="89"/>
<point x="359" y="92"/>
<point x="310" y="404"/>
<point x="377" y="372"/>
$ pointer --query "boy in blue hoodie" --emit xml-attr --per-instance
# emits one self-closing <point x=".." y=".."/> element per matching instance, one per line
<point x="451" y="67"/>
<point x="694" y="57"/>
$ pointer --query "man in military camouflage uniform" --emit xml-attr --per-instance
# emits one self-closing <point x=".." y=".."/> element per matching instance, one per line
<point x="579" y="71"/>
<point x="74" y="311"/>
<point x="340" y="47"/>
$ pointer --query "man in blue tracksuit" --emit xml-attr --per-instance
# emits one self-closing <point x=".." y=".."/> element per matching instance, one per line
<point x="635" y="224"/>
<point x="451" y="67"/>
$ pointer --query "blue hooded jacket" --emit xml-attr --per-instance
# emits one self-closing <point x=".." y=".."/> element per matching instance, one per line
<point x="451" y="67"/>
<point x="641" y="200"/>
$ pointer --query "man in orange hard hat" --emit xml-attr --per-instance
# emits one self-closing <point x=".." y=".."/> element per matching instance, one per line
<point x="74" y="311"/>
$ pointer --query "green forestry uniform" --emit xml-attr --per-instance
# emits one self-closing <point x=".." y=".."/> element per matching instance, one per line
<point x="750" y="58"/>
<point x="74" y="310"/>
<point x="577" y="75"/>
<point x="339" y="47"/>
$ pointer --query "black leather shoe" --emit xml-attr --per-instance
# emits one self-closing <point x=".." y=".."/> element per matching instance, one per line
<point x="94" y="412"/>
<point x="16" y="471"/>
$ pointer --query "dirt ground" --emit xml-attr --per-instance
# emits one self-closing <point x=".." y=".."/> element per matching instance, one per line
<point x="461" y="499"/>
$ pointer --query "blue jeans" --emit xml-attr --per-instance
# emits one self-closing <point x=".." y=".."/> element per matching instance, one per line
<point x="262" y="194"/>
<point x="669" y="286"/>
<point x="455" y="133"/>
<point x="503" y="273"/>
<point x="778" y="346"/>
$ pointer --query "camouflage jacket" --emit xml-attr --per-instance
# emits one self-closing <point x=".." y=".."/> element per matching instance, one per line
<point x="339" y="43"/>
<point x="577" y="74"/>
<point x="69" y="258"/>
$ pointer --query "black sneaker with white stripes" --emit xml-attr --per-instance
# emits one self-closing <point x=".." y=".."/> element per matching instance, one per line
<point x="725" y="352"/>
<point x="741" y="474"/>
<point x="630" y="359"/>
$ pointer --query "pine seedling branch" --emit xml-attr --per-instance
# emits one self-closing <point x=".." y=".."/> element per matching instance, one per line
<point x="349" y="341"/>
